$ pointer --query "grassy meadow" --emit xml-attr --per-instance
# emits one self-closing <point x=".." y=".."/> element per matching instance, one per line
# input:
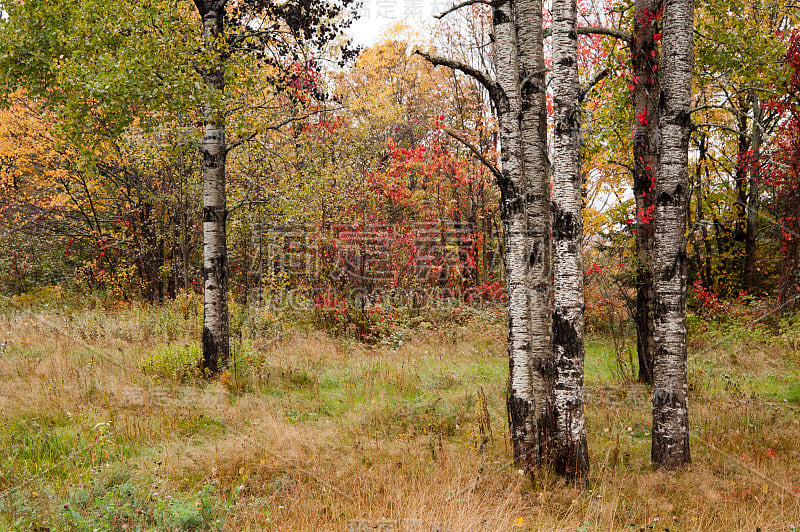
<point x="106" y="425"/>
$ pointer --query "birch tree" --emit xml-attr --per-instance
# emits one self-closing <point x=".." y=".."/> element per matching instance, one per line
<point x="215" y="211"/>
<point x="572" y="458"/>
<point x="106" y="65"/>
<point x="670" y="395"/>
<point x="270" y="31"/>
<point x="519" y="98"/>
<point x="534" y="200"/>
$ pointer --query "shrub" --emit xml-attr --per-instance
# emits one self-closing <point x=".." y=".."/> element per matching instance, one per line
<point x="179" y="362"/>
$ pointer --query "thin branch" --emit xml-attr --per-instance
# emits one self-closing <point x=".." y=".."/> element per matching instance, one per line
<point x="477" y="153"/>
<point x="718" y="126"/>
<point x="496" y="92"/>
<point x="623" y="165"/>
<point x="233" y="145"/>
<point x="720" y="107"/>
<point x="600" y="76"/>
<point x="597" y="30"/>
<point x="456" y="7"/>
<point x="276" y="127"/>
<point x="247" y="203"/>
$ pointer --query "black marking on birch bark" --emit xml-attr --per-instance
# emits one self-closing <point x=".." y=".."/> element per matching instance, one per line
<point x="543" y="452"/>
<point x="644" y="313"/>
<point x="530" y="84"/>
<point x="565" y="226"/>
<point x="541" y="288"/>
<point x="571" y="458"/>
<point x="214" y="214"/>
<point x="515" y="203"/>
<point x="676" y="268"/>
<point x="212" y="364"/>
<point x="670" y="446"/>
<point x="218" y="269"/>
<point x="499" y="17"/>
<point x="664" y="397"/>
<point x="565" y="335"/>
<point x="567" y="61"/>
<point x="518" y="412"/>
<point x="546" y="368"/>
<point x="535" y="256"/>
<point x="684" y="119"/>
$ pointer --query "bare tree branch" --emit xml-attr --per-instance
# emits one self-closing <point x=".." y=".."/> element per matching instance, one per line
<point x="477" y="153"/>
<point x="718" y="126"/>
<point x="496" y="92"/>
<point x="596" y="30"/>
<point x="600" y="76"/>
<point x="720" y="107"/>
<point x="456" y="7"/>
<point x="232" y="146"/>
<point x="248" y="203"/>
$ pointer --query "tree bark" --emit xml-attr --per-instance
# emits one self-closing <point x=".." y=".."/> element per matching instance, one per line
<point x="753" y="199"/>
<point x="670" y="395"/>
<point x="741" y="177"/>
<point x="645" y="61"/>
<point x="534" y="200"/>
<point x="215" y="213"/>
<point x="704" y="253"/>
<point x="519" y="95"/>
<point x="572" y="459"/>
<point x="513" y="188"/>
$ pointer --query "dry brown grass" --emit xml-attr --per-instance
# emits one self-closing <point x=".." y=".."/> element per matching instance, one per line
<point x="318" y="434"/>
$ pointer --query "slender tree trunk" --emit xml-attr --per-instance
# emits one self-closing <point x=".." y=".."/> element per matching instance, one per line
<point x="215" y="256"/>
<point x="753" y="199"/>
<point x="704" y="253"/>
<point x="572" y="458"/>
<point x="519" y="95"/>
<point x="534" y="200"/>
<point x="513" y="187"/>
<point x="670" y="395"/>
<point x="741" y="176"/>
<point x="645" y="61"/>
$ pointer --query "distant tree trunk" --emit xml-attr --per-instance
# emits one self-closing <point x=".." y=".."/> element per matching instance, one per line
<point x="704" y="253"/>
<point x="790" y="250"/>
<point x="572" y="459"/>
<point x="534" y="200"/>
<point x="670" y="395"/>
<point x="750" y="251"/>
<point x="645" y="60"/>
<point x="741" y="177"/>
<point x="215" y="318"/>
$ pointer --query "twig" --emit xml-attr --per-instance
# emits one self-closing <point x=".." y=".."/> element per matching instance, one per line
<point x="477" y="153"/>
<point x="597" y="30"/>
<point x="456" y="7"/>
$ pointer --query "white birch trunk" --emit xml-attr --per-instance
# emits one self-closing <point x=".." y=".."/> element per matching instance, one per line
<point x="670" y="395"/>
<point x="513" y="187"/>
<point x="534" y="200"/>
<point x="572" y="459"/>
<point x="215" y="315"/>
